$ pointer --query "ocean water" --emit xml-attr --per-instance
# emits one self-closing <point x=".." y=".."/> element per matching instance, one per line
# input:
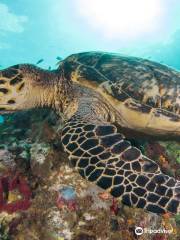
<point x="46" y="29"/>
<point x="56" y="203"/>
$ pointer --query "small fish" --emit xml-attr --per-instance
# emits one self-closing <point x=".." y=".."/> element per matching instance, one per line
<point x="49" y="68"/>
<point x="40" y="61"/>
<point x="59" y="58"/>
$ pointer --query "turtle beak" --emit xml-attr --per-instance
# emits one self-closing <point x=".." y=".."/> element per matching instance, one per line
<point x="3" y="92"/>
<point x="5" y="110"/>
<point x="11" y="97"/>
<point x="6" y="99"/>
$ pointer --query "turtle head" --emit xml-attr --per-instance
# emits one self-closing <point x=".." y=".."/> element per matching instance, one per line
<point x="25" y="86"/>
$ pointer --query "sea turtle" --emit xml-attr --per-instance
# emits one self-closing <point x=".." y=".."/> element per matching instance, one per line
<point x="98" y="94"/>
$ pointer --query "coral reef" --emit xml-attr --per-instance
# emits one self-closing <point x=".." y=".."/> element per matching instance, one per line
<point x="50" y="201"/>
<point x="17" y="194"/>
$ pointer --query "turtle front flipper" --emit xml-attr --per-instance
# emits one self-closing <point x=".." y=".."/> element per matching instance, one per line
<point x="103" y="156"/>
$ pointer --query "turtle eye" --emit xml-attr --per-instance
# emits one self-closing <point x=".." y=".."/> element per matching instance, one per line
<point x="2" y="81"/>
<point x="11" y="101"/>
<point x="4" y="90"/>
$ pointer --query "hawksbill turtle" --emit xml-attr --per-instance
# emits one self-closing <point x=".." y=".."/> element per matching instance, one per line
<point x="99" y="94"/>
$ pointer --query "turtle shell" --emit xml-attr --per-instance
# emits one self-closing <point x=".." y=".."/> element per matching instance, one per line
<point x="144" y="94"/>
<point x="125" y="77"/>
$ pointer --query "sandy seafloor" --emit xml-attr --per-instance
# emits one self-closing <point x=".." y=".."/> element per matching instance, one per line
<point x="59" y="204"/>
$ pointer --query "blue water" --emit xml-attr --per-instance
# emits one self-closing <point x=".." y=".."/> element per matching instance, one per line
<point x="45" y="30"/>
<point x="1" y="119"/>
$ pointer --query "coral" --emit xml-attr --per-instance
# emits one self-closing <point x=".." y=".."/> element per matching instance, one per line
<point x="173" y="150"/>
<point x="67" y="197"/>
<point x="167" y="154"/>
<point x="114" y="207"/>
<point x="7" y="159"/>
<point x="39" y="152"/>
<point x="64" y="206"/>
<point x="154" y="150"/>
<point x="4" y="235"/>
<point x="14" y="202"/>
